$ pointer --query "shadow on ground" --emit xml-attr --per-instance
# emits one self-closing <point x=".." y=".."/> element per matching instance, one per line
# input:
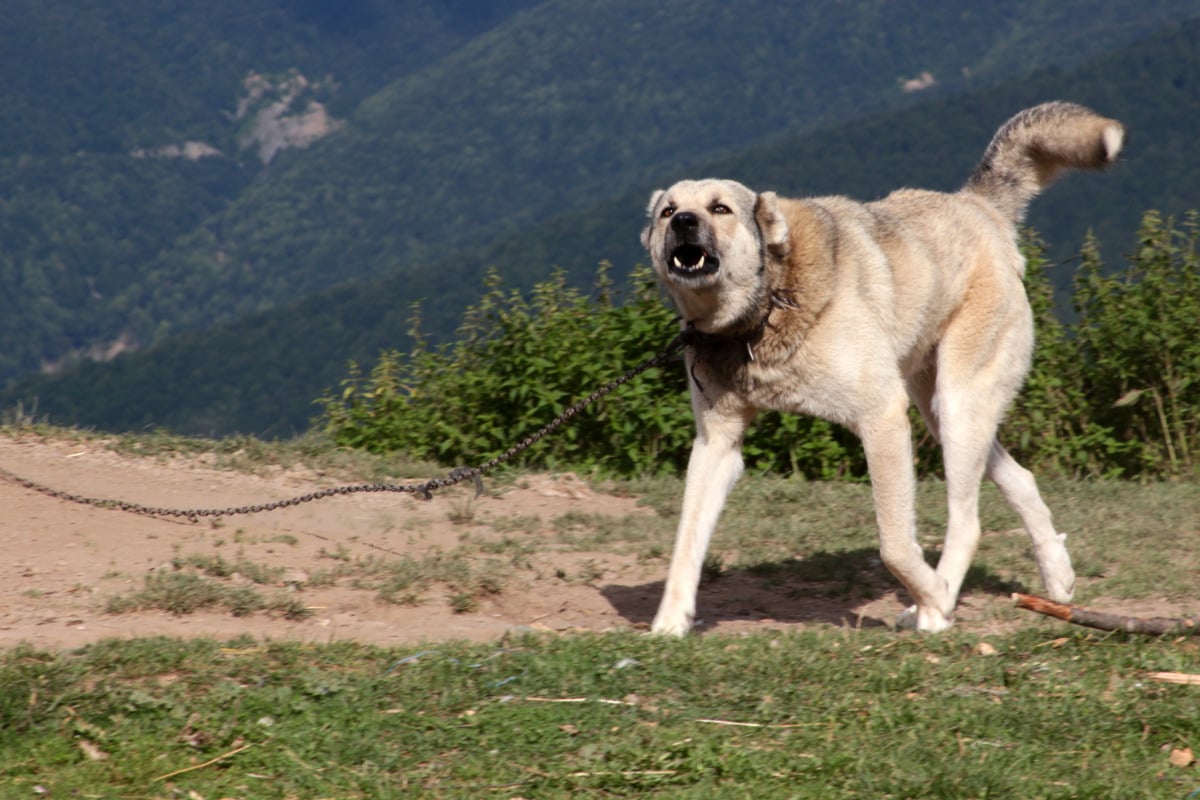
<point x="823" y="587"/>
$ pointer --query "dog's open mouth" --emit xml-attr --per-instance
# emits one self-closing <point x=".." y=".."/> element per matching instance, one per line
<point x="691" y="260"/>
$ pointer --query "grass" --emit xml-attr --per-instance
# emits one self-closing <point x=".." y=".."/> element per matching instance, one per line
<point x="203" y="582"/>
<point x="186" y="593"/>
<point x="822" y="714"/>
<point x="1046" y="712"/>
<point x="1113" y="526"/>
<point x="1126" y="539"/>
<point x="405" y="580"/>
<point x="584" y="531"/>
<point x="218" y="567"/>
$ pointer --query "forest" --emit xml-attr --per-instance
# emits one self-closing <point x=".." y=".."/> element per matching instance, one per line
<point x="220" y="294"/>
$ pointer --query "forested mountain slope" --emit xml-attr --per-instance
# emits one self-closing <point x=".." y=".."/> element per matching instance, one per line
<point x="261" y="374"/>
<point x="167" y="166"/>
<point x="573" y="101"/>
<point x="129" y="125"/>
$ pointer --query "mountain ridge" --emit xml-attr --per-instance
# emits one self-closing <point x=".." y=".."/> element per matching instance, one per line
<point x="575" y="234"/>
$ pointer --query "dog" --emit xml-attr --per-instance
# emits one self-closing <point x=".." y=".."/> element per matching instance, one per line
<point x="849" y="311"/>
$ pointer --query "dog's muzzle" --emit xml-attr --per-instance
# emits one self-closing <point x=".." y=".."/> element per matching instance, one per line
<point x="689" y="258"/>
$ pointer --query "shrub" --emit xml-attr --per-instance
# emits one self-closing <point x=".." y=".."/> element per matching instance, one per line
<point x="1115" y="394"/>
<point x="518" y="362"/>
<point x="1051" y="427"/>
<point x="1139" y="342"/>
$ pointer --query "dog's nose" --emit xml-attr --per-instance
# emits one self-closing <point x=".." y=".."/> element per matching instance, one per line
<point x="684" y="221"/>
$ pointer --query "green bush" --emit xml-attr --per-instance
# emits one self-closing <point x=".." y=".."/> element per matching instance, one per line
<point x="1114" y="394"/>
<point x="1051" y="427"/>
<point x="1117" y="393"/>
<point x="518" y="362"/>
<point x="1139" y="339"/>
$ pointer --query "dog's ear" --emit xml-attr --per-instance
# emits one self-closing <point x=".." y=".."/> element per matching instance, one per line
<point x="771" y="225"/>
<point x="654" y="198"/>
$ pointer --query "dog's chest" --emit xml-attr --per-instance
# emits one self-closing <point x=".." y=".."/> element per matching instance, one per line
<point x="768" y="380"/>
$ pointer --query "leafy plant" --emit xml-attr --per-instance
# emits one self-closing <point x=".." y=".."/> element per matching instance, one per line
<point x="1139" y="339"/>
<point x="518" y="362"/>
<point x="1051" y="426"/>
<point x="1114" y="394"/>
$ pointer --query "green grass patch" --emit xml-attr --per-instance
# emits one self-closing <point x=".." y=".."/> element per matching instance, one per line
<point x="405" y="580"/>
<point x="581" y="530"/>
<point x="1053" y="713"/>
<point x="186" y="593"/>
<point x="1129" y="540"/>
<point x="218" y="567"/>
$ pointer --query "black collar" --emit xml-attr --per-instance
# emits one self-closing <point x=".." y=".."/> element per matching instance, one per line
<point x="744" y="339"/>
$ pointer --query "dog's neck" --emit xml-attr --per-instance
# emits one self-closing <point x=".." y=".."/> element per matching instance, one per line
<point x="775" y="328"/>
<point x="708" y="343"/>
<point x="793" y="291"/>
<point x="744" y="335"/>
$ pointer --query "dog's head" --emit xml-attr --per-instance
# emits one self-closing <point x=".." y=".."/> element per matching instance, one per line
<point x="710" y="243"/>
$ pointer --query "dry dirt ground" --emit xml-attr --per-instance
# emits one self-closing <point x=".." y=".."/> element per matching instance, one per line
<point x="60" y="562"/>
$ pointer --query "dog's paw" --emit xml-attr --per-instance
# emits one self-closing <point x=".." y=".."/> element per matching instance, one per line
<point x="1060" y="588"/>
<point x="1058" y="576"/>
<point x="927" y="620"/>
<point x="677" y="625"/>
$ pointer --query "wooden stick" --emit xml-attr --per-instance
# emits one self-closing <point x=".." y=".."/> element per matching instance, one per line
<point x="1078" y="615"/>
<point x="208" y="763"/>
<point x="1175" y="677"/>
<point x="760" y="724"/>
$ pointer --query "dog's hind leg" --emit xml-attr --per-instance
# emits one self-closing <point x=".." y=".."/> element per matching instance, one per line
<point x="713" y="469"/>
<point x="1049" y="547"/>
<point x="967" y="425"/>
<point x="980" y="365"/>
<point x="980" y="368"/>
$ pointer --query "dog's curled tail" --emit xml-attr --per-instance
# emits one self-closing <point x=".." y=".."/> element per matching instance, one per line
<point x="1030" y="149"/>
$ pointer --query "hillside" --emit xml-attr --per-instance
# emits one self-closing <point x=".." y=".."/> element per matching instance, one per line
<point x="130" y="126"/>
<point x="259" y="371"/>
<point x="261" y="374"/>
<point x="167" y="167"/>
<point x="573" y="101"/>
<point x="114" y="77"/>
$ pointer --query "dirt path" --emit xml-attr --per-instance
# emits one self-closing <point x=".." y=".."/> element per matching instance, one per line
<point x="62" y="562"/>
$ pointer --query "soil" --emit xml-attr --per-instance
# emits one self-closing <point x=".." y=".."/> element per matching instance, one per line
<point x="63" y="561"/>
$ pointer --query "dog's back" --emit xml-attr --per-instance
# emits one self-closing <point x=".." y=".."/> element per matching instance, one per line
<point x="942" y="246"/>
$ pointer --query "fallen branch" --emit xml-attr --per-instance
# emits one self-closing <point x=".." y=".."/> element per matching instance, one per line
<point x="208" y="763"/>
<point x="1186" y="678"/>
<point x="760" y="724"/>
<point x="1154" y="626"/>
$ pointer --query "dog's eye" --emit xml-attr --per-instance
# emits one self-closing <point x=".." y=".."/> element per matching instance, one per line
<point x="668" y="211"/>
<point x="721" y="208"/>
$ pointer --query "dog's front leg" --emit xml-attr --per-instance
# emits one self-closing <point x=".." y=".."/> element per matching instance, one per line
<point x="713" y="469"/>
<point x="887" y="442"/>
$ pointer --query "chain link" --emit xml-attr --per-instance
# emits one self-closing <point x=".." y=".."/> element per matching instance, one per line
<point x="424" y="490"/>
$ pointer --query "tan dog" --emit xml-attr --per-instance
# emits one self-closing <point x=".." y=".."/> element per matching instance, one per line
<point x="849" y="311"/>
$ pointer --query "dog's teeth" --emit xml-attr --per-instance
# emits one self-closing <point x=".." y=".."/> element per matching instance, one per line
<point x="700" y="263"/>
<point x="678" y="263"/>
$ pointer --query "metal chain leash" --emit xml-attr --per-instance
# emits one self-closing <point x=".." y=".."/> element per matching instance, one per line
<point x="424" y="490"/>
